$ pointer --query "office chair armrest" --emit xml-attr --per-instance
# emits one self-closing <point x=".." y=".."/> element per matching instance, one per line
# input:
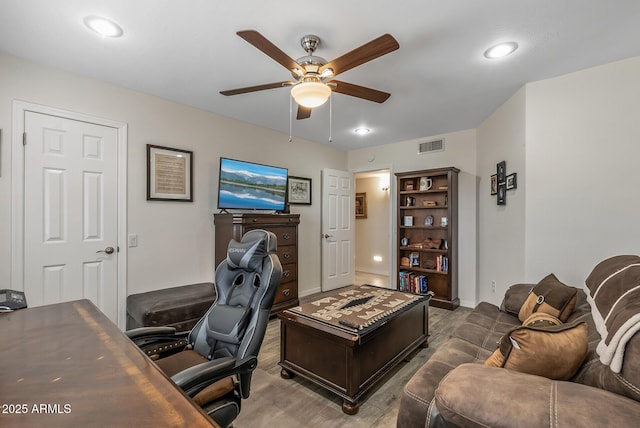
<point x="158" y="342"/>
<point x="196" y="378"/>
<point x="149" y="331"/>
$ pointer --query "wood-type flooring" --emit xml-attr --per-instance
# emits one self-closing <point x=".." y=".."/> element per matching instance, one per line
<point x="298" y="403"/>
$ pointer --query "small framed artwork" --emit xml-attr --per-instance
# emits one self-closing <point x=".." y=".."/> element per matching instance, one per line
<point x="169" y="174"/>
<point x="502" y="194"/>
<point x="512" y="181"/>
<point x="299" y="190"/>
<point x="361" y="205"/>
<point x="494" y="184"/>
<point x="501" y="170"/>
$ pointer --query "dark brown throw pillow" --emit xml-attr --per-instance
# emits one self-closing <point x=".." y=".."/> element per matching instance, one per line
<point x="543" y="346"/>
<point x="514" y="298"/>
<point x="552" y="297"/>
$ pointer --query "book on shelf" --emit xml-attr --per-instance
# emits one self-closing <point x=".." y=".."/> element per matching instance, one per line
<point x="412" y="282"/>
<point x="442" y="263"/>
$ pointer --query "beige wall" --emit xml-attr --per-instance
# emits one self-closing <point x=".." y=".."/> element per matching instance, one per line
<point x="175" y="240"/>
<point x="574" y="141"/>
<point x="501" y="137"/>
<point x="373" y="233"/>
<point x="583" y="175"/>
<point x="460" y="152"/>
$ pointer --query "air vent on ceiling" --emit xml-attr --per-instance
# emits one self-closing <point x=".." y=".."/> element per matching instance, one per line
<point x="431" y="146"/>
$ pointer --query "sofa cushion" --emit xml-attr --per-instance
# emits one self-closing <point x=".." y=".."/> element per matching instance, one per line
<point x="550" y="296"/>
<point x="477" y="396"/>
<point x="543" y="346"/>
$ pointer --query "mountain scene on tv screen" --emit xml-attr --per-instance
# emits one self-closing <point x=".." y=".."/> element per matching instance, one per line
<point x="251" y="186"/>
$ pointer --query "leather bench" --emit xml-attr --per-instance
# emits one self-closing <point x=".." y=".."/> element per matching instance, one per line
<point x="179" y="307"/>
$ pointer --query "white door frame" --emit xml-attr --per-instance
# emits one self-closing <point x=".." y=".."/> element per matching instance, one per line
<point x="18" y="196"/>
<point x="393" y="274"/>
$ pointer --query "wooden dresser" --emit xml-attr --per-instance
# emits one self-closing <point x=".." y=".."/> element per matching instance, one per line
<point x="285" y="227"/>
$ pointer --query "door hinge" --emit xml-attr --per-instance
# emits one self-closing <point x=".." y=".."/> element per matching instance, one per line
<point x="24" y="138"/>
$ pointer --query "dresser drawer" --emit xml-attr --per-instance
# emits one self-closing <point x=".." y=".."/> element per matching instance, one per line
<point x="286" y="235"/>
<point x="286" y="291"/>
<point x="287" y="254"/>
<point x="271" y="221"/>
<point x="289" y="272"/>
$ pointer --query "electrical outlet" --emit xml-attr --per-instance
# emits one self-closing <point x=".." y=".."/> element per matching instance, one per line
<point x="133" y="240"/>
<point x="493" y="286"/>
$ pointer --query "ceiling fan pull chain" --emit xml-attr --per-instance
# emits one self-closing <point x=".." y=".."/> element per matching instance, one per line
<point x="330" y="117"/>
<point x="290" y="118"/>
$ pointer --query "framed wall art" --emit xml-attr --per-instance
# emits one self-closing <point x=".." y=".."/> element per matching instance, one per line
<point x="494" y="184"/>
<point x="512" y="181"/>
<point x="501" y="170"/>
<point x="361" y="205"/>
<point x="502" y="194"/>
<point x="299" y="190"/>
<point x="169" y="174"/>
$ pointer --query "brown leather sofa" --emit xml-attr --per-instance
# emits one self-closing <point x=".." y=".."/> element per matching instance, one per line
<point x="455" y="389"/>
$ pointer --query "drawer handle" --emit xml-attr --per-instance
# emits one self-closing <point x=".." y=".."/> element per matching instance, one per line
<point x="285" y="236"/>
<point x="285" y="292"/>
<point x="254" y="220"/>
<point x="286" y="274"/>
<point x="285" y="255"/>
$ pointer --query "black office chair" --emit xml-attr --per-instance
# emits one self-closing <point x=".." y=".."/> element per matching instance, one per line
<point x="213" y="362"/>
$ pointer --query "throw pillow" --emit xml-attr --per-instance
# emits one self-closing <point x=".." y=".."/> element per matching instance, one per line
<point x="514" y="298"/>
<point x="552" y="297"/>
<point x="543" y="346"/>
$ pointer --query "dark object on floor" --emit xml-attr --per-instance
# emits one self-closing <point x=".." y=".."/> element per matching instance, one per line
<point x="177" y="307"/>
<point x="215" y="368"/>
<point x="348" y="351"/>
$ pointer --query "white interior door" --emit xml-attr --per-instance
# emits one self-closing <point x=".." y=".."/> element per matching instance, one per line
<point x="70" y="212"/>
<point x="338" y="231"/>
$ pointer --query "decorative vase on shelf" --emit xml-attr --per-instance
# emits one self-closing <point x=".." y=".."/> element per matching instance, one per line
<point x="425" y="183"/>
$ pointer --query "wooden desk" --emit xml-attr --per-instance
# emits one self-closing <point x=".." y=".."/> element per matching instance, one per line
<point x="68" y="365"/>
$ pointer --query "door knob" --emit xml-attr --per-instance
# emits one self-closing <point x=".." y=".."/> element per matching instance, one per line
<point x="108" y="250"/>
<point x="327" y="236"/>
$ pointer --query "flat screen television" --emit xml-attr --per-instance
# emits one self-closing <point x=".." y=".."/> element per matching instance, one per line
<point x="251" y="186"/>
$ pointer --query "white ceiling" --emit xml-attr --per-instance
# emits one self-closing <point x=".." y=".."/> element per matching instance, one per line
<point x="187" y="51"/>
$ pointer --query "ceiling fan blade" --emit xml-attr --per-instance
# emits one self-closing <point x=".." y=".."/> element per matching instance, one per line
<point x="303" y="113"/>
<point x="255" y="88"/>
<point x="359" y="91"/>
<point x="271" y="50"/>
<point x="365" y="53"/>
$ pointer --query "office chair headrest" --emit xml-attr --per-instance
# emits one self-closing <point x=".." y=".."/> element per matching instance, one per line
<point x="250" y="252"/>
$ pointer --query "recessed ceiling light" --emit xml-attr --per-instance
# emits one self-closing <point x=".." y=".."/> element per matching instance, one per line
<point x="103" y="26"/>
<point x="362" y="131"/>
<point x="501" y="50"/>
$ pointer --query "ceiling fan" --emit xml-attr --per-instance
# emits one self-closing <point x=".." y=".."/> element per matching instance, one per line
<point x="314" y="75"/>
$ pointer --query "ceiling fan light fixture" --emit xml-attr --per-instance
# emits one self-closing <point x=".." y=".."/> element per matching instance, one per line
<point x="310" y="94"/>
<point x="103" y="26"/>
<point x="328" y="72"/>
<point x="501" y="50"/>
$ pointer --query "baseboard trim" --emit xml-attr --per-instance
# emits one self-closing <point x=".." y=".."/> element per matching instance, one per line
<point x="373" y="271"/>
<point x="467" y="304"/>
<point x="309" y="292"/>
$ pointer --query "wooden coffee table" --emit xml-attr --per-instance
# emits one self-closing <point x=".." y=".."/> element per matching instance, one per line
<point x="345" y="360"/>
